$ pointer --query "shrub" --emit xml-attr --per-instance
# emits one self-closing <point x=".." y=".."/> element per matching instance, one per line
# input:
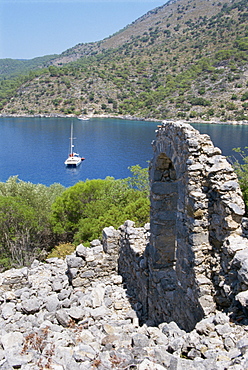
<point x="244" y="96"/>
<point x="82" y="211"/>
<point x="241" y="168"/>
<point x="193" y="114"/>
<point x="200" y="101"/>
<point x="230" y="106"/>
<point x="61" y="251"/>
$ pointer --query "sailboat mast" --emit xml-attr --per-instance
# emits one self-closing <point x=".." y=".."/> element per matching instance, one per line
<point x="73" y="159"/>
<point x="71" y="139"/>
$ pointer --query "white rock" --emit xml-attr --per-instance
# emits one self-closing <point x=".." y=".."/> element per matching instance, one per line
<point x="12" y="339"/>
<point x="97" y="295"/>
<point x="149" y="365"/>
<point x="242" y="297"/>
<point x="8" y="310"/>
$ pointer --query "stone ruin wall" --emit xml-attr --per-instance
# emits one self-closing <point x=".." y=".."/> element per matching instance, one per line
<point x="193" y="259"/>
<point x="196" y="204"/>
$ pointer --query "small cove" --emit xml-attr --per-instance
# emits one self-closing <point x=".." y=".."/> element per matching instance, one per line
<point x="34" y="149"/>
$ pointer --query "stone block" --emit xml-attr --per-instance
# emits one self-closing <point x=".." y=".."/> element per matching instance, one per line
<point x="242" y="297"/>
<point x="163" y="188"/>
<point x="31" y="305"/>
<point x="197" y="239"/>
<point x="8" y="310"/>
<point x="52" y="303"/>
<point x="63" y="317"/>
<point x="166" y="215"/>
<point x="74" y="262"/>
<point x="81" y="251"/>
<point x="12" y="339"/>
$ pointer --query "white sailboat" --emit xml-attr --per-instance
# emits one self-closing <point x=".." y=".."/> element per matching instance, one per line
<point x="73" y="159"/>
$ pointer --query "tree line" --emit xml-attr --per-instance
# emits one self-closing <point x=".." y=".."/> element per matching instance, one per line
<point x="36" y="219"/>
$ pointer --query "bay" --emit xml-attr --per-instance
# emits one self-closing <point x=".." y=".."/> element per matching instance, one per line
<point x="34" y="149"/>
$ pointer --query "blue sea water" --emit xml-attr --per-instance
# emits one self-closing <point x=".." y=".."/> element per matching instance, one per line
<point x="35" y="149"/>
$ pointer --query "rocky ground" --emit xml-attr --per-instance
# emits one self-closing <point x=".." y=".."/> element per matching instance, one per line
<point x="45" y="323"/>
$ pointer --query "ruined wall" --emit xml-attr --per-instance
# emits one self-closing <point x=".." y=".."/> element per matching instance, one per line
<point x="97" y="263"/>
<point x="196" y="204"/>
<point x="193" y="258"/>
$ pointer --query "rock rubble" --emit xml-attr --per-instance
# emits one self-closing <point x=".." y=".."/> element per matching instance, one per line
<point x="47" y="323"/>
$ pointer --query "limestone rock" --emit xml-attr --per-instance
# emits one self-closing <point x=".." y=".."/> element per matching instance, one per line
<point x="242" y="297"/>
<point x="31" y="305"/>
<point x="8" y="310"/>
<point x="12" y="339"/>
<point x="63" y="317"/>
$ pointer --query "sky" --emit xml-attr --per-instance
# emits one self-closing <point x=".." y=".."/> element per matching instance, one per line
<point x="34" y="28"/>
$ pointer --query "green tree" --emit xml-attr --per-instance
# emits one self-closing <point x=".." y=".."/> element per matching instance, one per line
<point x="25" y="226"/>
<point x="82" y="211"/>
<point x="241" y="168"/>
<point x="18" y="227"/>
<point x="70" y="207"/>
<point x="139" y="179"/>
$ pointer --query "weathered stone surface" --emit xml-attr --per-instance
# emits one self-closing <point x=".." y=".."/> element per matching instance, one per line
<point x="89" y="333"/>
<point x="12" y="339"/>
<point x="76" y="313"/>
<point x="74" y="262"/>
<point x="8" y="310"/>
<point x="57" y="285"/>
<point x="31" y="305"/>
<point x="84" y="352"/>
<point x="202" y="193"/>
<point x="63" y="317"/>
<point x="242" y="297"/>
<point x="81" y="251"/>
<point x="52" y="303"/>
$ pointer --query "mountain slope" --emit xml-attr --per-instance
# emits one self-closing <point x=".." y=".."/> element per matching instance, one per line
<point x="14" y="67"/>
<point x="186" y="59"/>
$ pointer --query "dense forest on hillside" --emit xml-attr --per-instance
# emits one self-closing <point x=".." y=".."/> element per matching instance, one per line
<point x="187" y="59"/>
<point x="13" y="67"/>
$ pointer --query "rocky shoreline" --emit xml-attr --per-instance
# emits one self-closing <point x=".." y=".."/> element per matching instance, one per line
<point x="53" y="319"/>
<point x="125" y="117"/>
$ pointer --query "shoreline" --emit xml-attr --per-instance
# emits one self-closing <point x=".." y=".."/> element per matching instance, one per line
<point x="124" y="117"/>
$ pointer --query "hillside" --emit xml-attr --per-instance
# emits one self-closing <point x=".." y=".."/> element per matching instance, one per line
<point x="14" y="67"/>
<point x="187" y="59"/>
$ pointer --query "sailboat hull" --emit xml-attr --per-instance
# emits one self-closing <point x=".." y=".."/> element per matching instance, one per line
<point x="73" y="162"/>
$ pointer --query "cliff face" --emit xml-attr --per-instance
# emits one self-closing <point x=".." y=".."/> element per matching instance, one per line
<point x="172" y="293"/>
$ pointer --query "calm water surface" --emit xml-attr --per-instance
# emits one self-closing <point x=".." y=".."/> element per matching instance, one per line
<point x="35" y="148"/>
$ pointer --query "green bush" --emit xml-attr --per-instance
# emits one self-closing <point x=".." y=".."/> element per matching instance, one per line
<point x="200" y="101"/>
<point x="244" y="96"/>
<point x="24" y="220"/>
<point x="82" y="211"/>
<point x="242" y="43"/>
<point x="61" y="251"/>
<point x="193" y="114"/>
<point x="35" y="218"/>
<point x="241" y="168"/>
